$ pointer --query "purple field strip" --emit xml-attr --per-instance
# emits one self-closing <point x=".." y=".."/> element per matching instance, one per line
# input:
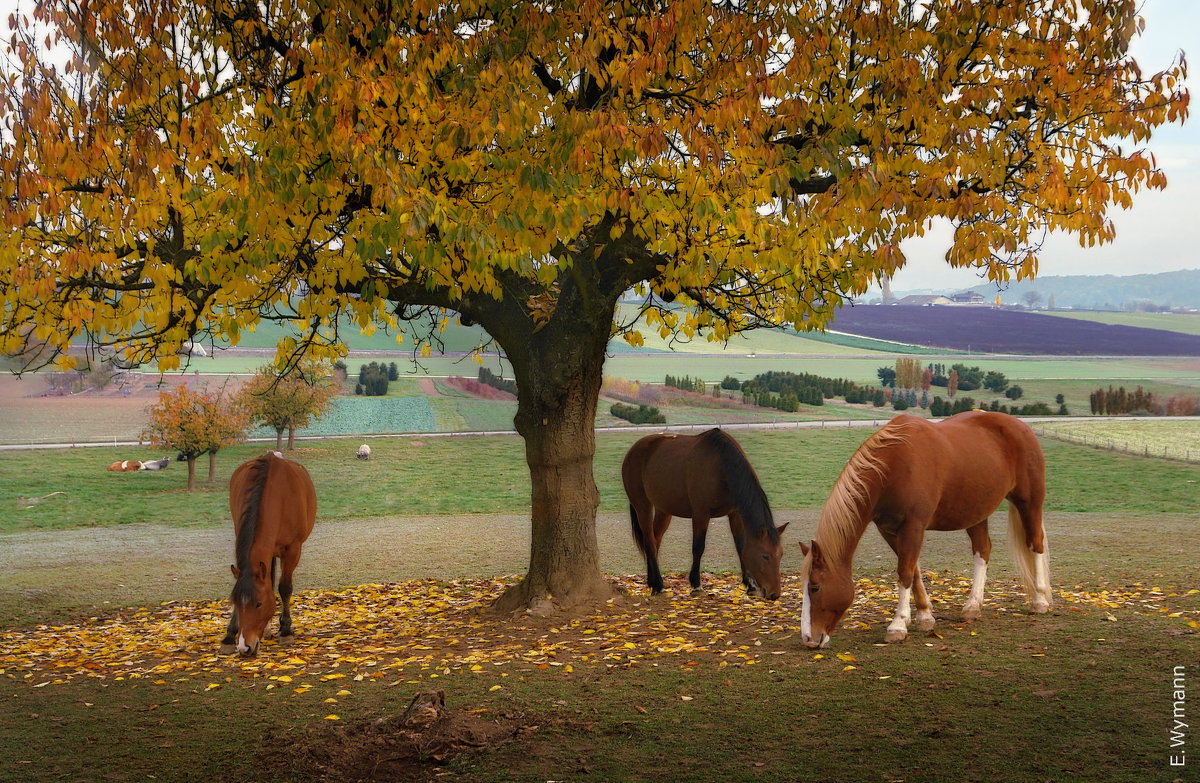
<point x="991" y="330"/>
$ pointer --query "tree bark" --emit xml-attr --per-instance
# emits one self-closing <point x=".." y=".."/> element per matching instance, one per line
<point x="279" y="438"/>
<point x="212" y="466"/>
<point x="559" y="368"/>
<point x="191" y="463"/>
<point x="291" y="438"/>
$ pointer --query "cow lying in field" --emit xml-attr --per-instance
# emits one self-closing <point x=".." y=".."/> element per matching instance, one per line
<point x="127" y="465"/>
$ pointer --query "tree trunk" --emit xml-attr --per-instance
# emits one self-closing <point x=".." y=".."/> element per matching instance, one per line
<point x="191" y="463"/>
<point x="212" y="466"/>
<point x="291" y="438"/>
<point x="279" y="438"/>
<point x="559" y="369"/>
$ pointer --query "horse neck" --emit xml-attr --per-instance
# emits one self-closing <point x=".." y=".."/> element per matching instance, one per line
<point x="251" y="534"/>
<point x="842" y="524"/>
<point x="851" y="504"/>
<point x="745" y="490"/>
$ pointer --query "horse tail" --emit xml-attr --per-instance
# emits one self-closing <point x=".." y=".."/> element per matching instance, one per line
<point x="1037" y="585"/>
<point x="257" y="472"/>
<point x="638" y="537"/>
<point x="743" y="485"/>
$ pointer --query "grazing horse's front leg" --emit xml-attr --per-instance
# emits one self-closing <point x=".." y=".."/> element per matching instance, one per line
<point x="229" y="643"/>
<point x="739" y="531"/>
<point x="699" y="536"/>
<point x="288" y="562"/>
<point x="906" y="543"/>
<point x="898" y="630"/>
<point x="925" y="618"/>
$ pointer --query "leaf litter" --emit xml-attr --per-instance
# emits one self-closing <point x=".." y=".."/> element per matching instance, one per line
<point x="417" y="631"/>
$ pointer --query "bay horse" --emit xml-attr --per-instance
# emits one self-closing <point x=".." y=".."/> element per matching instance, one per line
<point x="701" y="477"/>
<point x="915" y="475"/>
<point x="274" y="507"/>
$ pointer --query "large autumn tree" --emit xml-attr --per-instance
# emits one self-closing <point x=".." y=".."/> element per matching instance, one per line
<point x="199" y="166"/>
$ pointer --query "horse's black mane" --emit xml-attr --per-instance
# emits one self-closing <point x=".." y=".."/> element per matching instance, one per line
<point x="243" y="589"/>
<point x="743" y="484"/>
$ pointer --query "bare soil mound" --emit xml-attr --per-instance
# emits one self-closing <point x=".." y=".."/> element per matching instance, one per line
<point x="407" y="747"/>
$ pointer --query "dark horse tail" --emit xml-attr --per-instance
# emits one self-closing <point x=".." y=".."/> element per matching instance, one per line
<point x="637" y="530"/>
<point x="742" y="484"/>
<point x="243" y="588"/>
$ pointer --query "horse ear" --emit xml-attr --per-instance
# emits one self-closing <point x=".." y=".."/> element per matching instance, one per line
<point x="260" y="570"/>
<point x="818" y="559"/>
<point x="236" y="572"/>
<point x="804" y="548"/>
<point x="782" y="528"/>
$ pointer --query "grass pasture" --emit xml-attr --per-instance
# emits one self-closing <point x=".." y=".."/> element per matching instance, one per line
<point x="108" y="668"/>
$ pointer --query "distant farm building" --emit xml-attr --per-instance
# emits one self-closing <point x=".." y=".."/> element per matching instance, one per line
<point x="924" y="300"/>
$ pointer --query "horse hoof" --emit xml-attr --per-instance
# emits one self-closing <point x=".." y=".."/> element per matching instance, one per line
<point x="895" y="636"/>
<point x="971" y="614"/>
<point x="926" y="625"/>
<point x="227" y="649"/>
<point x="287" y="638"/>
<point x="1041" y="608"/>
<point x="697" y="591"/>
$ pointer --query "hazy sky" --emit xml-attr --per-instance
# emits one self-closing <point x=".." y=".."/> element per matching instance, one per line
<point x="1160" y="233"/>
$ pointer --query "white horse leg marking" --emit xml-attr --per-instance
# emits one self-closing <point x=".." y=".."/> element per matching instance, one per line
<point x="805" y="615"/>
<point x="898" y="630"/>
<point x="974" y="605"/>
<point x="1043" y="596"/>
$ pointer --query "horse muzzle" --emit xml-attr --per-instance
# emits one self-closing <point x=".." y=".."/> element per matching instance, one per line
<point x="247" y="650"/>
<point x="816" y="644"/>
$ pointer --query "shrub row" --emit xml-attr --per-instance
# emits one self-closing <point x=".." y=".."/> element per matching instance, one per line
<point x="637" y="414"/>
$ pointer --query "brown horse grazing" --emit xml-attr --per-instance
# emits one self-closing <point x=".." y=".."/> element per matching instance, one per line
<point x="125" y="466"/>
<point x="701" y="477"/>
<point x="274" y="506"/>
<point x="915" y="475"/>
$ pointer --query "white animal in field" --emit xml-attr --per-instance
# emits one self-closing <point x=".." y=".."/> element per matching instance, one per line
<point x="364" y="452"/>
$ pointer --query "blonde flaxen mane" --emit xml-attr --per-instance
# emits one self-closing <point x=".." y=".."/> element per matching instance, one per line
<point x="841" y="519"/>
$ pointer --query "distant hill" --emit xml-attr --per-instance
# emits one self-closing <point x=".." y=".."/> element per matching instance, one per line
<point x="1103" y="292"/>
<point x="997" y="330"/>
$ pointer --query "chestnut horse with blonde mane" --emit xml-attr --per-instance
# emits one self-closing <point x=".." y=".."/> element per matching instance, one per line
<point x="915" y="475"/>
<point x="274" y="507"/>
<point x="701" y="477"/>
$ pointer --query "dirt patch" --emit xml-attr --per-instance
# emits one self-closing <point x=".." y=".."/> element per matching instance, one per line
<point x="409" y="746"/>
